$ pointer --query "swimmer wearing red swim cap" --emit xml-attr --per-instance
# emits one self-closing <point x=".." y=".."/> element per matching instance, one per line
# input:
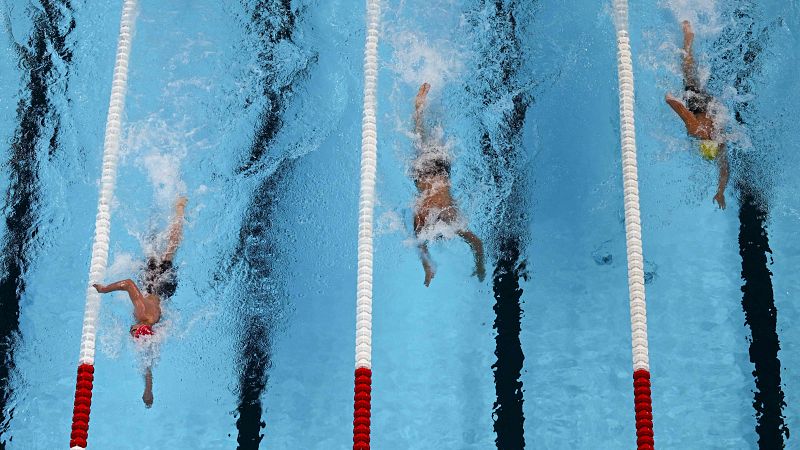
<point x="159" y="282"/>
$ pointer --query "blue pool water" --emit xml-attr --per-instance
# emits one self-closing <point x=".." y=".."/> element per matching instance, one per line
<point x="252" y="109"/>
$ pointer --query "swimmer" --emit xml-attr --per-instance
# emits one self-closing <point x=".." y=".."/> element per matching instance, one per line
<point x="159" y="283"/>
<point x="435" y="205"/>
<point x="695" y="114"/>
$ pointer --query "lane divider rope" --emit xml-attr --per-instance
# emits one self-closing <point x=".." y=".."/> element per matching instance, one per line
<point x="362" y="402"/>
<point x="633" y="235"/>
<point x="99" y="261"/>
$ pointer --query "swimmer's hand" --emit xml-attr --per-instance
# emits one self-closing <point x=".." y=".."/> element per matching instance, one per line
<point x="147" y="398"/>
<point x="480" y="272"/>
<point x="720" y="199"/>
<point x="429" y="273"/>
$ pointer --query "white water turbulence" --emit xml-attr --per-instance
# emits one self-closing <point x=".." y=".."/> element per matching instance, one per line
<point x="419" y="58"/>
<point x="433" y="55"/>
<point x="158" y="149"/>
<point x="703" y="13"/>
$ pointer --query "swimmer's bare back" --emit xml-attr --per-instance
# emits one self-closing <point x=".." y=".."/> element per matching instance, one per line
<point x="435" y="196"/>
<point x="698" y="125"/>
<point x="146" y="308"/>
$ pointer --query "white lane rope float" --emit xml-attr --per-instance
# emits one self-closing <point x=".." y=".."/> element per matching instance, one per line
<point x="99" y="261"/>
<point x="633" y="234"/>
<point x="369" y="150"/>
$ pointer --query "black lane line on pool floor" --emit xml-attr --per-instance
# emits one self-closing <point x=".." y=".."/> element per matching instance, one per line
<point x="508" y="416"/>
<point x="38" y="128"/>
<point x="761" y="316"/>
<point x="742" y="45"/>
<point x="509" y="419"/>
<point x="260" y="304"/>
<point x="272" y="21"/>
<point x="501" y="152"/>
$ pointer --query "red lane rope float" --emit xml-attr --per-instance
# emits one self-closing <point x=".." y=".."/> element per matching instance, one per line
<point x="362" y="403"/>
<point x="643" y="403"/>
<point x="83" y="406"/>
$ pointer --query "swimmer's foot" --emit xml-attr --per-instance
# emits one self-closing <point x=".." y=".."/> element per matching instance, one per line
<point x="688" y="35"/>
<point x="180" y="205"/>
<point x="100" y="288"/>
<point x="422" y="95"/>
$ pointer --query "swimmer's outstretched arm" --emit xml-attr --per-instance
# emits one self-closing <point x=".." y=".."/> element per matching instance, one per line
<point x="175" y="230"/>
<point x="147" y="396"/>
<point x="724" y="172"/>
<point x="425" y="256"/>
<point x="686" y="115"/>
<point x="477" y="249"/>
<point x="419" y="107"/>
<point x="139" y="308"/>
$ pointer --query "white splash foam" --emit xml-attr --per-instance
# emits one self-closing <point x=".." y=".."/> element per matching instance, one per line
<point x="437" y="228"/>
<point x="123" y="266"/>
<point x="159" y="148"/>
<point x="417" y="59"/>
<point x="113" y="331"/>
<point x="703" y="14"/>
<point x="389" y="222"/>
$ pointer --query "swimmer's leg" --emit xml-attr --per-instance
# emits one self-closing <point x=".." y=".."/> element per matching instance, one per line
<point x="175" y="230"/>
<point x="689" y="71"/>
<point x="477" y="249"/>
<point x="419" y="106"/>
<point x="139" y="308"/>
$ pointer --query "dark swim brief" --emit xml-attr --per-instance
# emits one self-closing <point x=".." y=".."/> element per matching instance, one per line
<point x="431" y="168"/>
<point x="159" y="278"/>
<point x="697" y="99"/>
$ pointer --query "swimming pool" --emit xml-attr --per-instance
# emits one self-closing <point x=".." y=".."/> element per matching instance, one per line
<point x="253" y="110"/>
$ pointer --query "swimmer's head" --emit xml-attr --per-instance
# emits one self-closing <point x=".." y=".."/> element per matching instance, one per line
<point x="709" y="149"/>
